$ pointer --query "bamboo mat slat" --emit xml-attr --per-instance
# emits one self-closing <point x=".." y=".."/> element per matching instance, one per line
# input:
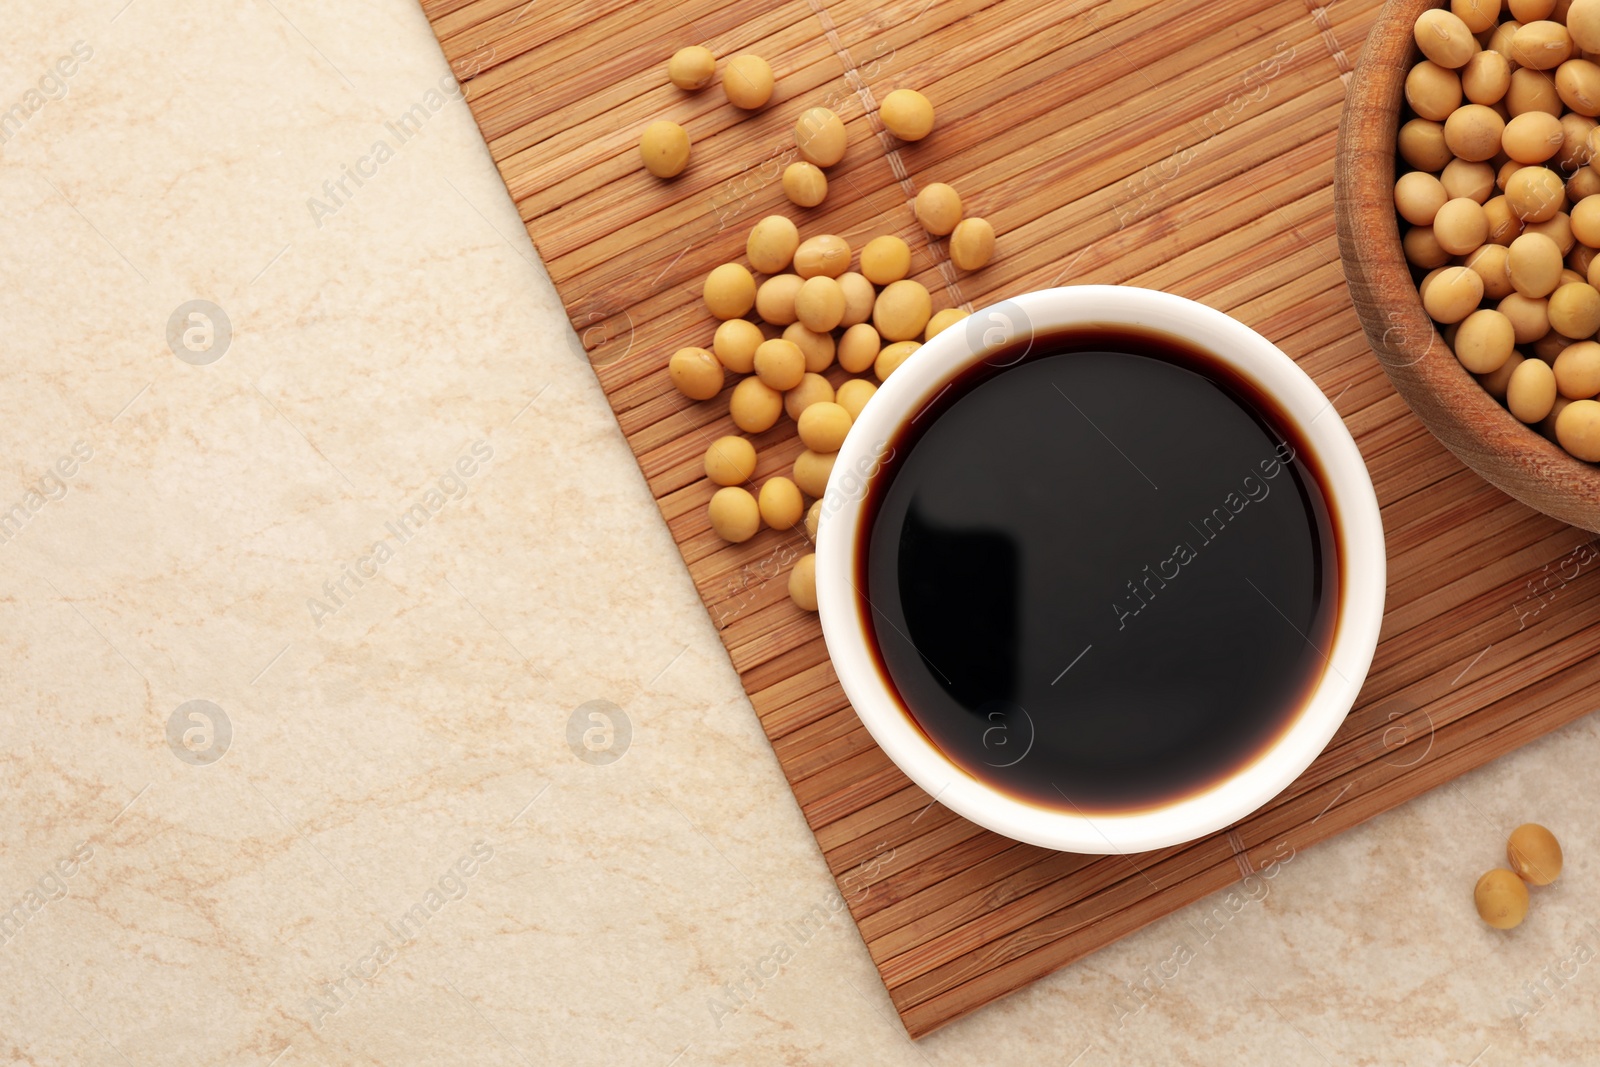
<point x="1105" y="147"/>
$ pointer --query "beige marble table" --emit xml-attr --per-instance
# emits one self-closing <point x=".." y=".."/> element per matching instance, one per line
<point x="359" y="710"/>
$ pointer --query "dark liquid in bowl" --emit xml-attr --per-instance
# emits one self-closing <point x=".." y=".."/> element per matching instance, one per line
<point x="1101" y="573"/>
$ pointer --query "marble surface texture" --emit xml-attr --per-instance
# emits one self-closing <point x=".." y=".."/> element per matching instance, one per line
<point x="366" y="505"/>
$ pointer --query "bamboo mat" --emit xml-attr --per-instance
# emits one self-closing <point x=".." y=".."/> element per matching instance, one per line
<point x="1175" y="144"/>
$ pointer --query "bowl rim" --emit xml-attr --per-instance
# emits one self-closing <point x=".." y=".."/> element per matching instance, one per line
<point x="925" y="375"/>
<point x="1453" y="406"/>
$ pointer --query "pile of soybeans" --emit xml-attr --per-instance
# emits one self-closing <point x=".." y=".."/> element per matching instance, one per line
<point x="809" y="311"/>
<point x="1503" y="202"/>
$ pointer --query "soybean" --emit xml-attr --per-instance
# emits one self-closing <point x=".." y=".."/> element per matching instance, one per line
<point x="938" y="207"/>
<point x="772" y="243"/>
<point x="1534" y="265"/>
<point x="1474" y="180"/>
<point x="1486" y="77"/>
<point x="1501" y="899"/>
<point x="1500" y="37"/>
<point x="748" y="81"/>
<point x="858" y="348"/>
<point x="1577" y="371"/>
<point x="972" y="243"/>
<point x="1445" y="39"/>
<point x="1503" y="222"/>
<point x="902" y="310"/>
<point x="1489" y="263"/>
<point x="885" y="259"/>
<point x="820" y="136"/>
<point x="941" y="321"/>
<point x="1541" y="45"/>
<point x="730" y="460"/>
<point x="1473" y="131"/>
<point x="1507" y="169"/>
<point x="780" y="503"/>
<point x="1575" y="151"/>
<point x="907" y="114"/>
<point x="730" y="291"/>
<point x="1422" y="249"/>
<point x="1454" y="294"/>
<point x="755" y="406"/>
<point x="1584" y="182"/>
<point x="817" y="348"/>
<point x="1578" y="429"/>
<point x="803" y="583"/>
<point x="692" y="67"/>
<point x="1579" y="259"/>
<point x="1479" y="15"/>
<point x="811" y="471"/>
<point x="1585" y="221"/>
<point x="859" y="298"/>
<point x="1528" y="316"/>
<point x="775" y="299"/>
<point x="853" y="396"/>
<point x="891" y="357"/>
<point x="1484" y="341"/>
<point x="1531" y="90"/>
<point x="1574" y="310"/>
<point x="1422" y="143"/>
<point x="824" y="254"/>
<point x="1460" y="226"/>
<point x="1583" y="22"/>
<point x="735" y="343"/>
<point x="664" y="147"/>
<point x="805" y="184"/>
<point x="823" y="427"/>
<point x="1578" y="85"/>
<point x="1531" y="392"/>
<point x="779" y="364"/>
<point x="1534" y="854"/>
<point x="696" y="373"/>
<point x="820" y="303"/>
<point x="735" y="516"/>
<point x="1434" y="92"/>
<point x="1532" y="137"/>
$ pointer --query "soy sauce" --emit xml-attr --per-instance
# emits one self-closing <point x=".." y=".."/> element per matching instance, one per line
<point x="1101" y="570"/>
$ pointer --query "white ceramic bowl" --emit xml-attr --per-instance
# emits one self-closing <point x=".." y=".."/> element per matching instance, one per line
<point x="919" y="380"/>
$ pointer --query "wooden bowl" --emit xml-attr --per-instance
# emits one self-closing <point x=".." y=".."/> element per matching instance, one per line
<point x="1448" y="400"/>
